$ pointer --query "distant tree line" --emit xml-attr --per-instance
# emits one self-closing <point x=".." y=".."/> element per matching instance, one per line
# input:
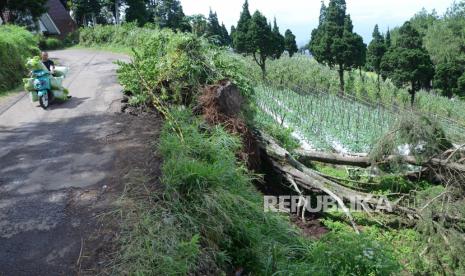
<point x="255" y="36"/>
<point x="426" y="52"/>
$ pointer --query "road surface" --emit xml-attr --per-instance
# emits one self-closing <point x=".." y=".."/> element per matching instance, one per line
<point x="56" y="165"/>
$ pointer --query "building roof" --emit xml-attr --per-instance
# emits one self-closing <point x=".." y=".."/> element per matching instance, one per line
<point x="60" y="18"/>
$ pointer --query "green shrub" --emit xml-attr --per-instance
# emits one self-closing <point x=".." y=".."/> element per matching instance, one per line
<point x="16" y="45"/>
<point x="345" y="253"/>
<point x="50" y="43"/>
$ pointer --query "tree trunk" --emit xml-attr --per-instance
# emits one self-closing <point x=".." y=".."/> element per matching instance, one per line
<point x="263" y="67"/>
<point x="379" y="86"/>
<point x="412" y="94"/>
<point x="116" y="12"/>
<point x="364" y="161"/>
<point x="341" y="79"/>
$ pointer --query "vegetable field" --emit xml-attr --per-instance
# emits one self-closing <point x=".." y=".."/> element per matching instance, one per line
<point x="326" y="121"/>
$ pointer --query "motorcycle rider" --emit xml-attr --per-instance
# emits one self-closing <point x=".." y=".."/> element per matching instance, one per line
<point x="47" y="62"/>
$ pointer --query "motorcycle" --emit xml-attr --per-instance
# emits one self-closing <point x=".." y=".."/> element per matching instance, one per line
<point x="43" y="86"/>
<point x="43" y="90"/>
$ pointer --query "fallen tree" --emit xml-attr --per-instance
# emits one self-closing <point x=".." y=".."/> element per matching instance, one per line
<point x="308" y="179"/>
<point x="365" y="162"/>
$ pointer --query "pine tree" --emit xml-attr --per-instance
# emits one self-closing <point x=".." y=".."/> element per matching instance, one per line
<point x="214" y="28"/>
<point x="240" y="39"/>
<point x="408" y="62"/>
<point x="388" y="40"/>
<point x="376" y="51"/>
<point x="278" y="41"/>
<point x="290" y="43"/>
<point x="261" y="40"/>
<point x="334" y="43"/>
<point x="225" y="37"/>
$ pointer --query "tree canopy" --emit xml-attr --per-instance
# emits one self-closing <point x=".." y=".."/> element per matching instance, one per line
<point x="169" y="14"/>
<point x="18" y="8"/>
<point x="240" y="39"/>
<point x="261" y="40"/>
<point x="278" y="41"/>
<point x="408" y="62"/>
<point x="375" y="54"/>
<point x="334" y="43"/>
<point x="137" y="12"/>
<point x="290" y="45"/>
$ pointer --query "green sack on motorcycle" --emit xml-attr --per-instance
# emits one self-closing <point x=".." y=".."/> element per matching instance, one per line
<point x="56" y="83"/>
<point x="35" y="63"/>
<point x="28" y="84"/>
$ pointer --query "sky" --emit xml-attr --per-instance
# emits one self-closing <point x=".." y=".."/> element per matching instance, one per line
<point x="301" y="16"/>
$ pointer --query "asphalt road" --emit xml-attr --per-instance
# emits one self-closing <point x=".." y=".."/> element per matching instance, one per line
<point x="54" y="164"/>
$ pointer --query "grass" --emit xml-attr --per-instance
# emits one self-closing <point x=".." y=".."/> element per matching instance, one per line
<point x="209" y="219"/>
<point x="8" y="93"/>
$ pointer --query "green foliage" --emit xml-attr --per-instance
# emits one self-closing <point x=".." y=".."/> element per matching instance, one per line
<point x="85" y="10"/>
<point x="447" y="78"/>
<point x="170" y="65"/>
<point x="240" y="37"/>
<point x="407" y="62"/>
<point x="461" y="86"/>
<point x="346" y="253"/>
<point x="423" y="137"/>
<point x="20" y="8"/>
<point x="169" y="14"/>
<point x="16" y="45"/>
<point x="290" y="45"/>
<point x="254" y="36"/>
<point x="376" y="51"/>
<point x="279" y="43"/>
<point x="50" y="43"/>
<point x="205" y="186"/>
<point x="334" y="43"/>
<point x="137" y="12"/>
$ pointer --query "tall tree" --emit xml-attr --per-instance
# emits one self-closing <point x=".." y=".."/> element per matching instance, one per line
<point x="290" y="43"/>
<point x="388" y="39"/>
<point x="261" y="41"/>
<point x="461" y="86"/>
<point x="278" y="41"/>
<point x="198" y="24"/>
<point x="18" y="8"/>
<point x="334" y="43"/>
<point x="447" y="77"/>
<point x="169" y="14"/>
<point x="86" y="11"/>
<point x="240" y="39"/>
<point x="360" y="53"/>
<point x="225" y="37"/>
<point x="137" y="12"/>
<point x="214" y="28"/>
<point x="408" y="62"/>
<point x="376" y="51"/>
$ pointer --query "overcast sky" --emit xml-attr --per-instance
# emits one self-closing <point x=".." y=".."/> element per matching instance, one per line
<point x="301" y="16"/>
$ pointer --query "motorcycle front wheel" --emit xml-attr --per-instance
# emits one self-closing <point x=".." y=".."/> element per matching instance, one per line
<point x="44" y="101"/>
